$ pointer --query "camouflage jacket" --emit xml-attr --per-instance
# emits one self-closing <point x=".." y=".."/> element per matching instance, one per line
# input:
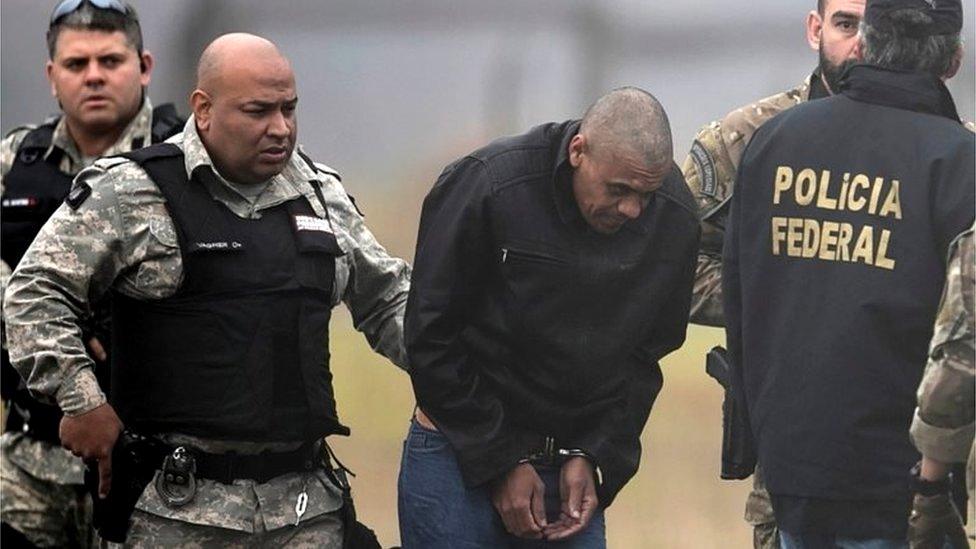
<point x="72" y="161"/>
<point x="943" y="426"/>
<point x="710" y="172"/>
<point x="38" y="458"/>
<point x="122" y="238"/>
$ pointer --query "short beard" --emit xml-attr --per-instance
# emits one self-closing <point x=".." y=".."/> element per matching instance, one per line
<point x="832" y="73"/>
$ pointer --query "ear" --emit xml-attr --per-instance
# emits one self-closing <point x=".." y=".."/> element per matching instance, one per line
<point x="49" y="68"/>
<point x="202" y="105"/>
<point x="955" y="64"/>
<point x="146" y="64"/>
<point x="577" y="146"/>
<point x="814" y="29"/>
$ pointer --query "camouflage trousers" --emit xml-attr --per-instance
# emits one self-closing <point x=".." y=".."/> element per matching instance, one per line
<point x="148" y="530"/>
<point x="48" y="513"/>
<point x="759" y="513"/>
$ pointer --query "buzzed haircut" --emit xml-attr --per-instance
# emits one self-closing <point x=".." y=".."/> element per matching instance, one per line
<point x="88" y="17"/>
<point x="821" y="6"/>
<point x="629" y="120"/>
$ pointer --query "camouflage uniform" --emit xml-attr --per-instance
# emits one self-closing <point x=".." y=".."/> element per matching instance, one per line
<point x="41" y="483"/>
<point x="122" y="237"/>
<point x="943" y="427"/>
<point x="710" y="171"/>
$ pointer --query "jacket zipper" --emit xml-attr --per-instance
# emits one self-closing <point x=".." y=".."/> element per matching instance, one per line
<point x="509" y="254"/>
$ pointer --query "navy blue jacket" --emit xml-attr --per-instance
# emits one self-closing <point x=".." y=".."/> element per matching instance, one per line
<point x="833" y="267"/>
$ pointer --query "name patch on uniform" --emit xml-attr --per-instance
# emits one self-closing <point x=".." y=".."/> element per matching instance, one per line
<point x="216" y="246"/>
<point x="18" y="202"/>
<point x="79" y="193"/>
<point x="706" y="169"/>
<point x="312" y="223"/>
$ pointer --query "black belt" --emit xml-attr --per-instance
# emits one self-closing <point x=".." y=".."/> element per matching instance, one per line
<point x="38" y="421"/>
<point x="225" y="468"/>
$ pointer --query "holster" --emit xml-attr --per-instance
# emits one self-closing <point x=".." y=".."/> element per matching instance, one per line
<point x="135" y="460"/>
<point x="738" y="449"/>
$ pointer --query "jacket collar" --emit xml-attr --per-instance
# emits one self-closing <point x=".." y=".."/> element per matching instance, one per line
<point x="912" y="91"/>
<point x="817" y="89"/>
<point x="562" y="177"/>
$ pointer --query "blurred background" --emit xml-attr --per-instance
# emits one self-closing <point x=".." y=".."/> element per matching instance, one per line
<point x="392" y="90"/>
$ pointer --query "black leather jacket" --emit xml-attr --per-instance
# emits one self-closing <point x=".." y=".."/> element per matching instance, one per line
<point x="524" y="324"/>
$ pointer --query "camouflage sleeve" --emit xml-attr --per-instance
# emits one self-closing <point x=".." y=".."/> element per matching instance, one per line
<point x="378" y="283"/>
<point x="943" y="426"/>
<point x="109" y="224"/>
<point x="709" y="172"/>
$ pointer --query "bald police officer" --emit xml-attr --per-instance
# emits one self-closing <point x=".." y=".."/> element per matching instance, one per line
<point x="224" y="250"/>
<point x="710" y="168"/>
<point x="98" y="71"/>
<point x="942" y="428"/>
<point x="843" y="212"/>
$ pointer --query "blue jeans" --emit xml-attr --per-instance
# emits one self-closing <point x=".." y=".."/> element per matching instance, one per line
<point x="826" y="541"/>
<point x="438" y="511"/>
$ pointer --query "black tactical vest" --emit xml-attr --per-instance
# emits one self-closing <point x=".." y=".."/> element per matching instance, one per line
<point x="241" y="350"/>
<point x="35" y="186"/>
<point x="32" y="190"/>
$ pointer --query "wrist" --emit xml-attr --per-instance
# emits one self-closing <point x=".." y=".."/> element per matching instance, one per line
<point x="933" y="470"/>
<point x="926" y="487"/>
<point x="80" y="394"/>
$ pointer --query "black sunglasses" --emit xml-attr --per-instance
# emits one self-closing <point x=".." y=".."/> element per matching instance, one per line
<point x="69" y="6"/>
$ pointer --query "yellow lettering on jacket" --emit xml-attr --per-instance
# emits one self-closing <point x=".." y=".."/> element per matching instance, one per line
<point x="810" y="237"/>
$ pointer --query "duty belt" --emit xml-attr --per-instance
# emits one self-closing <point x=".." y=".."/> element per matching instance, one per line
<point x="225" y="468"/>
<point x="228" y="467"/>
<point x="38" y="421"/>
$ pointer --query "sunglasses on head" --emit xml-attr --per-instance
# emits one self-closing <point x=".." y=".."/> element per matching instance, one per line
<point x="69" y="6"/>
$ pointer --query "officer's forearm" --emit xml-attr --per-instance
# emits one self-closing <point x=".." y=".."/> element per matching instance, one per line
<point x="45" y="343"/>
<point x="380" y="317"/>
<point x="706" y="301"/>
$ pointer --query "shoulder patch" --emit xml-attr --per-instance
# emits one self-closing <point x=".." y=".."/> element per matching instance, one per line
<point x="706" y="169"/>
<point x="79" y="193"/>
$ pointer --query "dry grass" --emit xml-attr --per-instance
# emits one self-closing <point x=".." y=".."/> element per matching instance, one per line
<point x="676" y="499"/>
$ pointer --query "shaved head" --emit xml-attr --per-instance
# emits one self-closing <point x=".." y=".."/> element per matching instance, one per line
<point x="620" y="157"/>
<point x="632" y="122"/>
<point x="232" y="47"/>
<point x="244" y="107"/>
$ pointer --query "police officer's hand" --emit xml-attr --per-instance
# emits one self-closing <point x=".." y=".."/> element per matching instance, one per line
<point x="518" y="498"/>
<point x="91" y="436"/>
<point x="933" y="521"/>
<point x="97" y="350"/>
<point x="577" y="489"/>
